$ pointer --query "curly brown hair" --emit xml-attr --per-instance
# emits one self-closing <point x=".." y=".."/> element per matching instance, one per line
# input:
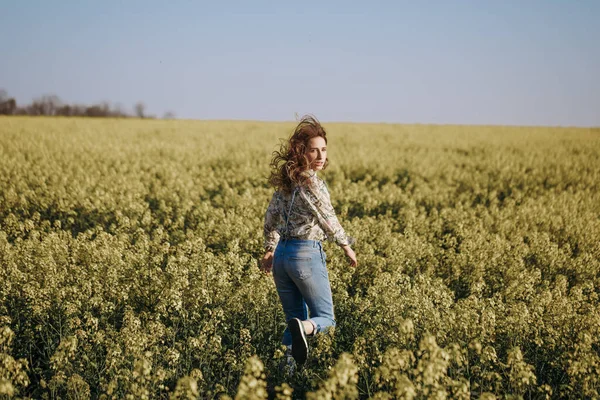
<point x="289" y="163"/>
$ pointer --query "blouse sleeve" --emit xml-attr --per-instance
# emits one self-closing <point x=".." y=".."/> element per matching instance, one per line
<point x="271" y="234"/>
<point x="319" y="202"/>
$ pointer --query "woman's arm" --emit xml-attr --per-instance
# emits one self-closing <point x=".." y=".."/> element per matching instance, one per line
<point x="351" y="255"/>
<point x="271" y="235"/>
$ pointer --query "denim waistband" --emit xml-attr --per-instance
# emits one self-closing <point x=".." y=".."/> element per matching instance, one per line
<point x="300" y="242"/>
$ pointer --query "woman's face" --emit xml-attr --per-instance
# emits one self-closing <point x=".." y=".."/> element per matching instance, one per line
<point x="316" y="152"/>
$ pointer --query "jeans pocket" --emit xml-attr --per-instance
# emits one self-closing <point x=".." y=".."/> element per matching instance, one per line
<point x="300" y="266"/>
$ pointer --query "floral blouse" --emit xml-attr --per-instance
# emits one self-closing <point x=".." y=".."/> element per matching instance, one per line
<point x="312" y="216"/>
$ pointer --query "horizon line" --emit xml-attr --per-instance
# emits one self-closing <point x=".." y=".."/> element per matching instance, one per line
<point x="334" y="122"/>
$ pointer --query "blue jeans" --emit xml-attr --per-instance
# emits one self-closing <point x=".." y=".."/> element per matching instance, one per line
<point x="301" y="278"/>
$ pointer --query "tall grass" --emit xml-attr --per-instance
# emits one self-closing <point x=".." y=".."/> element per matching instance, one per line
<point x="129" y="262"/>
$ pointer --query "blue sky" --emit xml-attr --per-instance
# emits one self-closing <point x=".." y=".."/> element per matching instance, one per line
<point x="459" y="62"/>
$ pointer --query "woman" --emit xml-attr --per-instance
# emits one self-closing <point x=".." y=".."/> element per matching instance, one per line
<point x="299" y="217"/>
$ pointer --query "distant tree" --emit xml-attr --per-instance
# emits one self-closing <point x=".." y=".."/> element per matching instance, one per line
<point x="22" y="111"/>
<point x="140" y="110"/>
<point x="51" y="105"/>
<point x="47" y="105"/>
<point x="35" y="108"/>
<point x="72" y="110"/>
<point x="65" y="111"/>
<point x="8" y="106"/>
<point x="169" y="115"/>
<point x="80" y="110"/>
<point x="105" y="109"/>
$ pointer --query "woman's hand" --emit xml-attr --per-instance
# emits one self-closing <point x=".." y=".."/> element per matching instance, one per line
<point x="350" y="254"/>
<point x="266" y="264"/>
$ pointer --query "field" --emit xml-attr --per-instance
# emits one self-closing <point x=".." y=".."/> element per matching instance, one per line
<point x="129" y="262"/>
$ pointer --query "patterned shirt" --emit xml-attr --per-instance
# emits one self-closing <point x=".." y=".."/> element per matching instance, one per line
<point x="312" y="216"/>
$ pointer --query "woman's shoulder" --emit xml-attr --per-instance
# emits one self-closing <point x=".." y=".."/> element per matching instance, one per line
<point x="318" y="181"/>
<point x="316" y="187"/>
<point x="312" y="176"/>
